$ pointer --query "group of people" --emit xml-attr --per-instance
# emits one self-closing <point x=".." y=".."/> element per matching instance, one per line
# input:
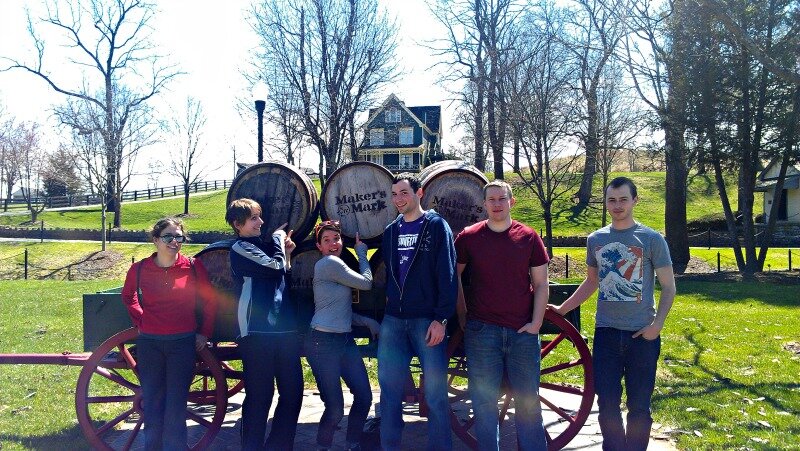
<point x="500" y="307"/>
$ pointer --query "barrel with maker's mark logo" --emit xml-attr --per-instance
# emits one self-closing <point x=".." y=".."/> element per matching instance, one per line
<point x="359" y="196"/>
<point x="455" y="190"/>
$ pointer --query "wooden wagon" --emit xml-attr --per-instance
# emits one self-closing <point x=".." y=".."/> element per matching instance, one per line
<point x="108" y="394"/>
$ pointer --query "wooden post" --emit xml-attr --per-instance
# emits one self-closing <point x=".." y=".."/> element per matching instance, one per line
<point x="790" y="259"/>
<point x="41" y="231"/>
<point x="718" y="266"/>
<point x="567" y="267"/>
<point x="26" y="263"/>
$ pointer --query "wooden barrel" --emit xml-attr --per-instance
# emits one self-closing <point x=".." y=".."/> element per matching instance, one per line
<point x="359" y="196"/>
<point x="455" y="190"/>
<point x="285" y="193"/>
<point x="378" y="267"/>
<point x="216" y="259"/>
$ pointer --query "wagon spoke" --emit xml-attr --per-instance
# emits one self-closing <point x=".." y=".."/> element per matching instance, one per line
<point x="126" y="354"/>
<point x="504" y="410"/>
<point x="552" y="344"/>
<point x="469" y="423"/>
<point x="116" y="377"/>
<point x="111" y="424"/>
<point x="562" y="388"/>
<point x="558" y="410"/>
<point x="198" y="419"/>
<point x="133" y="434"/>
<point x="562" y="366"/>
<point x="107" y="399"/>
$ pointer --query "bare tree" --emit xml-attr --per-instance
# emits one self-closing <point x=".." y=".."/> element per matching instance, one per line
<point x="60" y="173"/>
<point x="475" y="54"/>
<point x="93" y="167"/>
<point x="31" y="160"/>
<point x="9" y="159"/>
<point x="656" y="56"/>
<point x="109" y="42"/>
<point x="84" y="117"/>
<point x="186" y="131"/>
<point x="596" y="32"/>
<point x="620" y="122"/>
<point x="543" y="110"/>
<point x="286" y="117"/>
<point x="334" y="56"/>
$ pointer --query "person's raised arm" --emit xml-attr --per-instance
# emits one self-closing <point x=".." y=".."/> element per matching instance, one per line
<point x="586" y="289"/>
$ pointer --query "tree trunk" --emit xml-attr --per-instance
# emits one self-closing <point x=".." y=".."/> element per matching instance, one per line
<point x="675" y="206"/>
<point x="584" y="193"/>
<point x="791" y="141"/>
<point x="185" y="199"/>
<point x="548" y="227"/>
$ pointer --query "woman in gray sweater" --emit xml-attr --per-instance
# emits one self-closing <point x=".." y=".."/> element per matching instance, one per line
<point x="330" y="348"/>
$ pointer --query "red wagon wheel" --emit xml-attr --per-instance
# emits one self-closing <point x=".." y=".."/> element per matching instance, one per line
<point x="566" y="388"/>
<point x="108" y="397"/>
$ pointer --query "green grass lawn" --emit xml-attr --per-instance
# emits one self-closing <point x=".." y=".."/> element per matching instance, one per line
<point x="727" y="370"/>
<point x="207" y="210"/>
<point x="207" y="213"/>
<point x="569" y="220"/>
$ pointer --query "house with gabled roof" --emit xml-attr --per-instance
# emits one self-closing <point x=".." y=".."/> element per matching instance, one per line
<point x="789" y="207"/>
<point x="402" y="138"/>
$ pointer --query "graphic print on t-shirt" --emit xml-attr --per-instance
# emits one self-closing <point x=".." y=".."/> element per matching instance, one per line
<point x="620" y="271"/>
<point x="405" y="246"/>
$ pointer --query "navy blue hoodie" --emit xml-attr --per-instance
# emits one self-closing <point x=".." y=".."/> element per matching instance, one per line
<point x="430" y="287"/>
<point x="260" y="277"/>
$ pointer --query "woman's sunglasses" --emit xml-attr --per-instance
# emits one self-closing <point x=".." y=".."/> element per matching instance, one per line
<point x="166" y="239"/>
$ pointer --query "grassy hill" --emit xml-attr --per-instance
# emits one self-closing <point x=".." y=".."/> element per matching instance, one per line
<point x="208" y="209"/>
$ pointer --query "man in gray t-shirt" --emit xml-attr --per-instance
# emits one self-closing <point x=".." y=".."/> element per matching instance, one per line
<point x="623" y="260"/>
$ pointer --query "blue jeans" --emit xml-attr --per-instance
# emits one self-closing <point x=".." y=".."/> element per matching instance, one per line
<point x="165" y="372"/>
<point x="493" y="351"/>
<point x="335" y="356"/>
<point x="399" y="340"/>
<point x="268" y="359"/>
<point x="616" y="356"/>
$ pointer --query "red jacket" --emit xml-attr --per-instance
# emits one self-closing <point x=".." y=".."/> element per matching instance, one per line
<point x="169" y="297"/>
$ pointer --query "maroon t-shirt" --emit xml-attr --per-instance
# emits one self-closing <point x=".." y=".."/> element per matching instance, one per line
<point x="500" y="290"/>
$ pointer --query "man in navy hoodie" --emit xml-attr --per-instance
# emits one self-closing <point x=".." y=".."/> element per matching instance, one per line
<point x="421" y="291"/>
<point x="268" y="341"/>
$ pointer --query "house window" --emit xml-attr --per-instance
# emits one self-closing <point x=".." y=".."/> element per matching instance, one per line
<point x="406" y="161"/>
<point x="406" y="135"/>
<point x="376" y="137"/>
<point x="375" y="159"/>
<point x="392" y="115"/>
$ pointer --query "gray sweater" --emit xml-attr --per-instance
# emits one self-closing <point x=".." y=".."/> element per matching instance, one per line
<point x="333" y="281"/>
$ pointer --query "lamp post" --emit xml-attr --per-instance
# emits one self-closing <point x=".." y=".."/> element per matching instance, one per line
<point x="260" y="92"/>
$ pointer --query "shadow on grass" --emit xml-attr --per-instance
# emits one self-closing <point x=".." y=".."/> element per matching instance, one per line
<point x="712" y="382"/>
<point x="71" y="438"/>
<point x="578" y="215"/>
<point x="51" y="272"/>
<point x="742" y="291"/>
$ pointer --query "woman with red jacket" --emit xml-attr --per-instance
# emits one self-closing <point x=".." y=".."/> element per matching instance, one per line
<point x="162" y="294"/>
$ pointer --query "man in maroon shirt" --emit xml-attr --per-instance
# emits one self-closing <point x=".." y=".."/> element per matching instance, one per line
<point x="507" y="295"/>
